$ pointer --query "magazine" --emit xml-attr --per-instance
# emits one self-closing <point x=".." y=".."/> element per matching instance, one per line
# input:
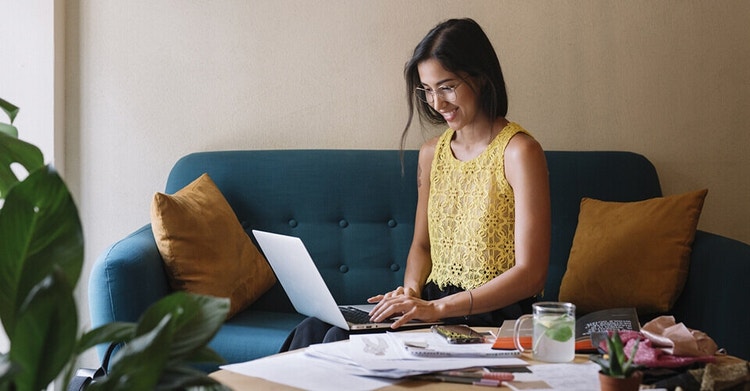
<point x="604" y="320"/>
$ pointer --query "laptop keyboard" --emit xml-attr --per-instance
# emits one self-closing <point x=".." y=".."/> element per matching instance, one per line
<point x="355" y="315"/>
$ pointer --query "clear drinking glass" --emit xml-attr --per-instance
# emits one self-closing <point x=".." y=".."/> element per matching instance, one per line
<point x="554" y="331"/>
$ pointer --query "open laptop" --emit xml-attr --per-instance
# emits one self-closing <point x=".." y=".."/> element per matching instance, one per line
<point x="306" y="289"/>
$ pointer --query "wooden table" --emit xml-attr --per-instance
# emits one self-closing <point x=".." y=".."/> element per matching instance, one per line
<point x="240" y="382"/>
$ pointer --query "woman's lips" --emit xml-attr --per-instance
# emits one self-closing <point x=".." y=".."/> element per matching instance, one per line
<point x="449" y="115"/>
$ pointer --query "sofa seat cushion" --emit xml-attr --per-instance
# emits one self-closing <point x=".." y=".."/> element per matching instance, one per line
<point x="631" y="254"/>
<point x="204" y="247"/>
<point x="253" y="334"/>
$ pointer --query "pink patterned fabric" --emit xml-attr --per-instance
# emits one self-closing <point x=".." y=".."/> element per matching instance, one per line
<point x="655" y="357"/>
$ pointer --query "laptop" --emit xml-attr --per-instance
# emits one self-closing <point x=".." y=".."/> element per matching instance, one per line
<point x="306" y="289"/>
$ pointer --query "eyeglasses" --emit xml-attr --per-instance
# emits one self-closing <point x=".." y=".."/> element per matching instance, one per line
<point x="446" y="93"/>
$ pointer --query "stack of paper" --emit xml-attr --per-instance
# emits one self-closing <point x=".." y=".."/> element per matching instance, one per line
<point x="401" y="354"/>
<point x="371" y="361"/>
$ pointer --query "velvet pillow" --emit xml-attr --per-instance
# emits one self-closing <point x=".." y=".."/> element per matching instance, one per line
<point x="631" y="254"/>
<point x="204" y="247"/>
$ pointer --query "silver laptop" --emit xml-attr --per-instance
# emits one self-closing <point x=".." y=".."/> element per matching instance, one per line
<point x="306" y="289"/>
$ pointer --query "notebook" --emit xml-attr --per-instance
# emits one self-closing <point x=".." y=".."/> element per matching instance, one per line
<point x="306" y="288"/>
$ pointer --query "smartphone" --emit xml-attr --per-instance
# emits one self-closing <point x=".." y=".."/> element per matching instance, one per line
<point x="459" y="333"/>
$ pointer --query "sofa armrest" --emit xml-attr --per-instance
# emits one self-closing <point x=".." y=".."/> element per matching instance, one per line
<point x="715" y="293"/>
<point x="126" y="279"/>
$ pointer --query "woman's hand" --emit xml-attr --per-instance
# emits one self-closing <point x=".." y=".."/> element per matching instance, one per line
<point x="403" y="302"/>
<point x="396" y="292"/>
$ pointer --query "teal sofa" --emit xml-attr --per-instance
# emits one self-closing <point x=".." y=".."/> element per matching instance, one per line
<point x="354" y="209"/>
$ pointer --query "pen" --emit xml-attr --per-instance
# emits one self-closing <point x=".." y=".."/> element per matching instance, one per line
<point x="490" y="379"/>
<point x="502" y="376"/>
<point x="461" y="380"/>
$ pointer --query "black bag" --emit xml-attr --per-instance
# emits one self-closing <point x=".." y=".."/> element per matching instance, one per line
<point x="86" y="376"/>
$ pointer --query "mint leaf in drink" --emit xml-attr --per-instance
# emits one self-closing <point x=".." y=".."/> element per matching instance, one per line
<point x="560" y="332"/>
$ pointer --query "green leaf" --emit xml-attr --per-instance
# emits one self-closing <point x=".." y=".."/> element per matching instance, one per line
<point x="110" y="332"/>
<point x="601" y="361"/>
<point x="9" y="108"/>
<point x="46" y="328"/>
<point x="559" y="332"/>
<point x="205" y="355"/>
<point x="11" y="111"/>
<point x="13" y="150"/>
<point x="195" y="330"/>
<point x="614" y="347"/>
<point x="39" y="232"/>
<point x="178" y="327"/>
<point x="197" y="319"/>
<point x="8" y="129"/>
<point x="8" y="371"/>
<point x="139" y="363"/>
<point x="629" y="367"/>
<point x="617" y="364"/>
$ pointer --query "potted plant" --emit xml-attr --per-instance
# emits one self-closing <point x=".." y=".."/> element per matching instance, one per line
<point x="41" y="257"/>
<point x="618" y="373"/>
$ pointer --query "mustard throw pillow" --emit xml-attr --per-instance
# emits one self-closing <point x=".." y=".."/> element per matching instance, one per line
<point x="204" y="247"/>
<point x="631" y="254"/>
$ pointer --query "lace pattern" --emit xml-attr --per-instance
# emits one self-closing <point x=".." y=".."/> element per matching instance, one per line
<point x="471" y="214"/>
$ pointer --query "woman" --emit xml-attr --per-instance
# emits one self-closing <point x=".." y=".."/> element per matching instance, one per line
<point x="482" y="226"/>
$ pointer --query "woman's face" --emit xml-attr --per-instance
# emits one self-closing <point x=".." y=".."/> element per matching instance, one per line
<point x="465" y="109"/>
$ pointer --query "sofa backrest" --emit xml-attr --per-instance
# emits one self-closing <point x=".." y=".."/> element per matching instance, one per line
<point x="354" y="209"/>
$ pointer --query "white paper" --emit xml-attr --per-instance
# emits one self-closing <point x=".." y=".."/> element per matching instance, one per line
<point x="299" y="370"/>
<point x="393" y="366"/>
<point x="381" y="353"/>
<point x="569" y="377"/>
<point x="414" y="343"/>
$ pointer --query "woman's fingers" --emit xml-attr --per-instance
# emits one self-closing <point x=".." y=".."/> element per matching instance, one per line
<point x="393" y="303"/>
<point x="400" y="305"/>
<point x="387" y="308"/>
<point x="378" y="298"/>
<point x="405" y="318"/>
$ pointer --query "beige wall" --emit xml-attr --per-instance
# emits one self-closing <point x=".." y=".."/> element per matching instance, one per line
<point x="149" y="81"/>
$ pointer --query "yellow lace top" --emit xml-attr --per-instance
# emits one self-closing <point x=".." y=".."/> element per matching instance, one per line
<point x="471" y="214"/>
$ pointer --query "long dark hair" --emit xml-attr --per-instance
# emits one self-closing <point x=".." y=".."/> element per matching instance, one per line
<point x="461" y="47"/>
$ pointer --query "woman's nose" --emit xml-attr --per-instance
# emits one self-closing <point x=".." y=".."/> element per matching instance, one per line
<point x="438" y="102"/>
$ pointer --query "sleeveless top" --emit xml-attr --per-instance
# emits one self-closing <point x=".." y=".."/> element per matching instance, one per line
<point x="471" y="214"/>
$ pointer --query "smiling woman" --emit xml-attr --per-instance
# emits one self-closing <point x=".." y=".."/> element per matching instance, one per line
<point x="461" y="111"/>
<point x="466" y="56"/>
<point x="481" y="239"/>
<point x="479" y="188"/>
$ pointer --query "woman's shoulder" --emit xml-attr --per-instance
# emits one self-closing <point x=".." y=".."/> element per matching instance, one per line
<point x="523" y="142"/>
<point x="427" y="150"/>
<point x="520" y="140"/>
<point x="433" y="142"/>
<point x="523" y="151"/>
<point x="430" y="145"/>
